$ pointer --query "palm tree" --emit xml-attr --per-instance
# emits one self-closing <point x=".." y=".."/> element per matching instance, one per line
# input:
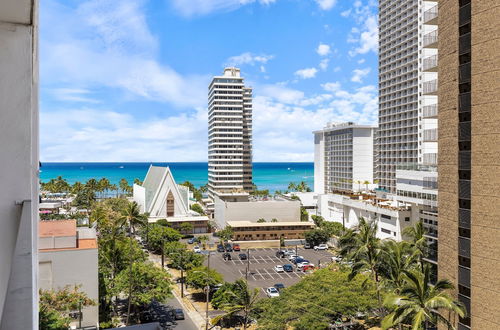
<point x="292" y="186"/>
<point x="418" y="241"/>
<point x="131" y="216"/>
<point x="104" y="185"/>
<point x="240" y="299"/>
<point x="397" y="257"/>
<point x="366" y="183"/>
<point x="420" y="304"/>
<point x="77" y="187"/>
<point x="363" y="248"/>
<point x="123" y="185"/>
<point x="92" y="184"/>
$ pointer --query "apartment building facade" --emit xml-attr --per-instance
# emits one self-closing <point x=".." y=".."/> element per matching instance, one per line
<point x="343" y="157"/>
<point x="229" y="136"/>
<point x="469" y="157"/>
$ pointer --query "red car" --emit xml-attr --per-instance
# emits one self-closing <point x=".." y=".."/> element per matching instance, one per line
<point x="307" y="267"/>
<point x="236" y="247"/>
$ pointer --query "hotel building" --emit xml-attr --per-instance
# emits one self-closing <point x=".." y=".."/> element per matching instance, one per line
<point x="469" y="157"/>
<point x="343" y="157"/>
<point x="229" y="136"/>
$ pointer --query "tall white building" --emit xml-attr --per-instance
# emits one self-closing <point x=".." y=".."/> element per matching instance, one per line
<point x="407" y="87"/>
<point x="343" y="157"/>
<point x="407" y="138"/>
<point x="229" y="136"/>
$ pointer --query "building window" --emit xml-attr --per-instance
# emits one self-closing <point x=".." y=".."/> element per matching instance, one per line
<point x="170" y="204"/>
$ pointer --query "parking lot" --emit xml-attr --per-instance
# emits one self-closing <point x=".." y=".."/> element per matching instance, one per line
<point x="259" y="268"/>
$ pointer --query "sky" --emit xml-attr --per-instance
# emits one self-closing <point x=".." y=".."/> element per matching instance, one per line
<point x="128" y="80"/>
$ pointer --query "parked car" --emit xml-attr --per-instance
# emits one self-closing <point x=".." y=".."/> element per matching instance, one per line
<point x="243" y="256"/>
<point x="305" y="268"/>
<point x="302" y="264"/>
<point x="289" y="252"/>
<point x="227" y="256"/>
<point x="288" y="268"/>
<point x="294" y="256"/>
<point x="236" y="247"/>
<point x="272" y="292"/>
<point x="280" y="254"/>
<point x="228" y="247"/>
<point x="307" y="246"/>
<point x="197" y="249"/>
<point x="220" y="248"/>
<point x="336" y="259"/>
<point x="278" y="269"/>
<point x="178" y="314"/>
<point x="279" y="286"/>
<point x="192" y="240"/>
<point x="299" y="260"/>
<point x="321" y="247"/>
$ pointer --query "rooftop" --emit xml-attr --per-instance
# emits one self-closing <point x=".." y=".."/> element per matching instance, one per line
<point x="57" y="228"/>
<point x="236" y="224"/>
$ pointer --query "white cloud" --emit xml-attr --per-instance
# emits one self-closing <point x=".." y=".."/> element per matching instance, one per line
<point x="191" y="8"/>
<point x="281" y="93"/>
<point x="365" y="35"/>
<point x="108" y="44"/>
<point x="359" y="74"/>
<point x="306" y="73"/>
<point x="73" y="95"/>
<point x="331" y="86"/>
<point x="323" y="49"/>
<point x="248" y="58"/>
<point x="323" y="65"/>
<point x="361" y="61"/>
<point x="326" y="4"/>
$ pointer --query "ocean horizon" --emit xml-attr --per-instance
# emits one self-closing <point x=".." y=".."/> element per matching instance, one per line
<point x="266" y="175"/>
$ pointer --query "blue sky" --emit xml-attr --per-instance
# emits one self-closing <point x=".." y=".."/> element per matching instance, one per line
<point x="127" y="80"/>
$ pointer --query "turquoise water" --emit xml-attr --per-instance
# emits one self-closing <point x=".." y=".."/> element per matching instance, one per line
<point x="272" y="176"/>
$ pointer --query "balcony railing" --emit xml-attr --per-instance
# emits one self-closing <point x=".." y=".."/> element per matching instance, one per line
<point x="464" y="160"/>
<point x="464" y="102"/>
<point x="430" y="39"/>
<point x="430" y="87"/>
<point x="430" y="15"/>
<point x="464" y="218"/>
<point x="464" y="44"/>
<point x="430" y="159"/>
<point x="464" y="15"/>
<point x="430" y="135"/>
<point x="464" y="72"/>
<point x="430" y="183"/>
<point x="430" y="111"/>
<point x="464" y="189"/>
<point x="464" y="131"/>
<point x="430" y="63"/>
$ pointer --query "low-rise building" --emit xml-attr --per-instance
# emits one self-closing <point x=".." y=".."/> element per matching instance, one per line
<point x="162" y="198"/>
<point x="248" y="231"/>
<point x="391" y="216"/>
<point x="68" y="257"/>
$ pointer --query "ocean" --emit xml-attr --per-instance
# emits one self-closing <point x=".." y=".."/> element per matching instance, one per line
<point x="272" y="176"/>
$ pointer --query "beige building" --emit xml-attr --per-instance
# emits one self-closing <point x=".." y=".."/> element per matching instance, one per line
<point x="249" y="231"/>
<point x="68" y="257"/>
<point x="469" y="157"/>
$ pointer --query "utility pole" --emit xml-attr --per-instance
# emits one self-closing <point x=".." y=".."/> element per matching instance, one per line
<point x="208" y="291"/>
<point x="248" y="265"/>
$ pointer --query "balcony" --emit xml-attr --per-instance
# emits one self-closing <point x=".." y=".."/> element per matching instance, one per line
<point x="430" y="183"/>
<point x="464" y="131"/>
<point x="464" y="189"/>
<point x="464" y="160"/>
<point x="430" y="111"/>
<point x="464" y="73"/>
<point x="430" y="159"/>
<point x="464" y="42"/>
<point x="431" y="16"/>
<point x="464" y="102"/>
<point x="464" y="218"/>
<point x="464" y="15"/>
<point x="431" y="40"/>
<point x="430" y="135"/>
<point x="430" y="63"/>
<point x="430" y="87"/>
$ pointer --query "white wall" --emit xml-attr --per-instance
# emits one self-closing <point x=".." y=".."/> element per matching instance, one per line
<point x="362" y="158"/>
<point x="72" y="267"/>
<point x="140" y="197"/>
<point x="319" y="163"/>
<point x="19" y="164"/>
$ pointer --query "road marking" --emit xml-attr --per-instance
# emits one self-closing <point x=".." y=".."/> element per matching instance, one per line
<point x="264" y="291"/>
<point x="288" y="274"/>
<point x="278" y="274"/>
<point x="255" y="259"/>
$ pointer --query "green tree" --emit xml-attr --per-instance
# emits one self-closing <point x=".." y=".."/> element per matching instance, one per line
<point x="77" y="187"/>
<point x="123" y="184"/>
<point x="158" y="235"/>
<point x="201" y="277"/>
<point x="187" y="228"/>
<point x="316" y="236"/>
<point x="137" y="182"/>
<point x="143" y="283"/>
<point x="274" y="220"/>
<point x="197" y="208"/>
<point x="304" y="215"/>
<point x="54" y="306"/>
<point x="396" y="259"/>
<point x="261" y="220"/>
<point x="319" y="299"/>
<point x="92" y="185"/>
<point x="226" y="233"/>
<point x="416" y="237"/>
<point x="237" y="298"/>
<point x="362" y="247"/>
<point x="420" y="304"/>
<point x="318" y="220"/>
<point x="333" y="228"/>
<point x="292" y="186"/>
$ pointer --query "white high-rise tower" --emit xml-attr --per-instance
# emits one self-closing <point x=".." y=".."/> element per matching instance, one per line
<point x="229" y="136"/>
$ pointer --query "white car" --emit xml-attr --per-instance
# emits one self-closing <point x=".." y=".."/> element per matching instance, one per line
<point x="279" y="269"/>
<point x="294" y="256"/>
<point x="197" y="249"/>
<point x="321" y="247"/>
<point x="300" y="265"/>
<point x="289" y="252"/>
<point x="336" y="259"/>
<point x="272" y="292"/>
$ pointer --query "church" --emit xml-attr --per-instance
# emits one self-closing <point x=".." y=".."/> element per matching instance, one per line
<point x="162" y="198"/>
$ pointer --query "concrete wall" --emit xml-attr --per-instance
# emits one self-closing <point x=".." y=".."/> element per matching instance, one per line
<point x="139" y="196"/>
<point x="362" y="158"/>
<point x="319" y="163"/>
<point x="286" y="211"/>
<point x="19" y="164"/>
<point x="59" y="242"/>
<point x="72" y="267"/>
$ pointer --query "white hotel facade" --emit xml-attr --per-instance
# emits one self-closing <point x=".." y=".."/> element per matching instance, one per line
<point x="229" y="137"/>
